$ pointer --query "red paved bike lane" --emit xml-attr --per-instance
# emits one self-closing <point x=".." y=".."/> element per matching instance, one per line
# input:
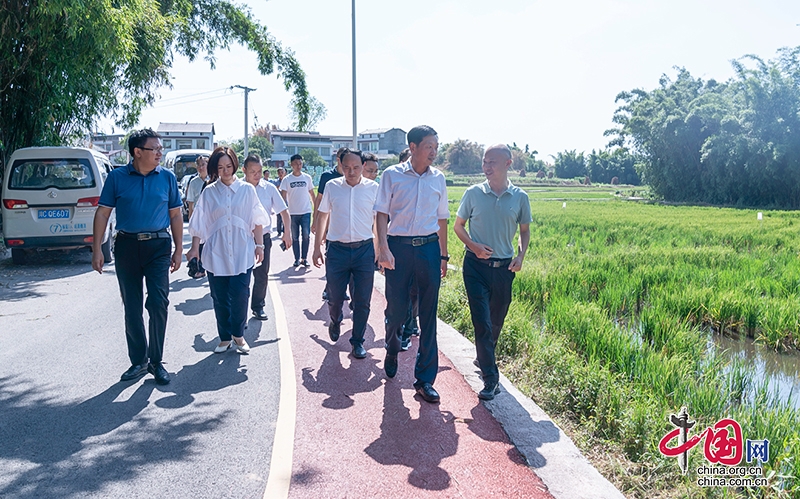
<point x="361" y="434"/>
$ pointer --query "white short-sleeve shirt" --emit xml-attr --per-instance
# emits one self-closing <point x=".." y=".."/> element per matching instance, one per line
<point x="350" y="208"/>
<point x="271" y="200"/>
<point x="297" y="196"/>
<point x="415" y="203"/>
<point x="224" y="217"/>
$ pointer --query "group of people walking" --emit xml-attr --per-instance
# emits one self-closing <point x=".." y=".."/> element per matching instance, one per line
<point x="399" y="226"/>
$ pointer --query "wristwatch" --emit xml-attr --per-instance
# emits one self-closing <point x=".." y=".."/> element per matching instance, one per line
<point x="446" y="258"/>
<point x="260" y="246"/>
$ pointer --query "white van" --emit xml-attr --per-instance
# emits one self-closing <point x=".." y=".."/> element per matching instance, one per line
<point x="183" y="163"/>
<point x="49" y="196"/>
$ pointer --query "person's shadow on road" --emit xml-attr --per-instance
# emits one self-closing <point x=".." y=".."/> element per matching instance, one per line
<point x="59" y="444"/>
<point x="420" y="444"/>
<point x="338" y="382"/>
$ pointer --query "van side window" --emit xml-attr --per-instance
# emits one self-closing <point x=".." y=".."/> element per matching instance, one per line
<point x="40" y="174"/>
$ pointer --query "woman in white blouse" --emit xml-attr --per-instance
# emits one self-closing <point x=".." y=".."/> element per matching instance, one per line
<point x="228" y="218"/>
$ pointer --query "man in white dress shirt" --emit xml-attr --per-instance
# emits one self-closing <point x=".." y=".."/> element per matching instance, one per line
<point x="272" y="202"/>
<point x="348" y="202"/>
<point x="413" y="194"/>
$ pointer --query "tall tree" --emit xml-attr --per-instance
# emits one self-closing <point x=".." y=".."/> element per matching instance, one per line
<point x="64" y="64"/>
<point x="464" y="156"/>
<point x="735" y="143"/>
<point x="317" y="112"/>
<point x="570" y="164"/>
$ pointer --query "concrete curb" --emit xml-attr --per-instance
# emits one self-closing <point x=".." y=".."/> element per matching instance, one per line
<point x="547" y="449"/>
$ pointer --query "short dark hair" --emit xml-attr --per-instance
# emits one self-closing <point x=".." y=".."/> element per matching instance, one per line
<point x="416" y="134"/>
<point x="213" y="161"/>
<point x="340" y="152"/>
<point x="296" y="156"/>
<point x="357" y="152"/>
<point x="405" y="155"/>
<point x="138" y="138"/>
<point x="252" y="158"/>
<point x="368" y="156"/>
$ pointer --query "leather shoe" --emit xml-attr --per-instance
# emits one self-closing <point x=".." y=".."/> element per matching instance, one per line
<point x="358" y="351"/>
<point x="159" y="373"/>
<point x="244" y="348"/>
<point x="427" y="393"/>
<point x="489" y="391"/>
<point x="133" y="372"/>
<point x="334" y="329"/>
<point x="390" y="365"/>
<point x="259" y="314"/>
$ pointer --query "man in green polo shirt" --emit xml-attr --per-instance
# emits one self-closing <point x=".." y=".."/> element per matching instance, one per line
<point x="494" y="209"/>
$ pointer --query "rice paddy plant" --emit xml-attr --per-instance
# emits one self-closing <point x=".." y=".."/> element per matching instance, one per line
<point x="611" y="315"/>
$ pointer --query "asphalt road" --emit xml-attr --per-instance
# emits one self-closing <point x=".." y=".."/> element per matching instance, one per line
<point x="70" y="428"/>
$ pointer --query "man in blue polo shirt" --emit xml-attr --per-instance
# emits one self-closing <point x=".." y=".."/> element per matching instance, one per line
<point x="147" y="201"/>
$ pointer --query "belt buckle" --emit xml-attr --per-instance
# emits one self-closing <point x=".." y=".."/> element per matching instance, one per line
<point x="145" y="236"/>
<point x="417" y="241"/>
<point x="497" y="264"/>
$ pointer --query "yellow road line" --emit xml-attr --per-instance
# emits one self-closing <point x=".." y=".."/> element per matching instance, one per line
<point x="280" y="467"/>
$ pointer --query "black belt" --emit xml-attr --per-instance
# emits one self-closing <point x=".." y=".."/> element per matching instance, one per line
<point x="354" y="245"/>
<point x="491" y="262"/>
<point x="415" y="241"/>
<point x="145" y="236"/>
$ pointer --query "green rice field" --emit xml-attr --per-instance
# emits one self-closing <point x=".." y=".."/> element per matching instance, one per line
<point x="613" y="323"/>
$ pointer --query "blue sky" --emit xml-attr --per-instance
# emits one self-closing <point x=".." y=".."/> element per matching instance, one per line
<point x="543" y="73"/>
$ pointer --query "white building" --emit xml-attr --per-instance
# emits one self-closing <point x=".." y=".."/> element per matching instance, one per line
<point x="187" y="135"/>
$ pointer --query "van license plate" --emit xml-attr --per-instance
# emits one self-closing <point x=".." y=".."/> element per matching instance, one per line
<point x="53" y="213"/>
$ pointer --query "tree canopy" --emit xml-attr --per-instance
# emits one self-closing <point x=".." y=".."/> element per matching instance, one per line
<point x="734" y="143"/>
<point x="64" y="64"/>
<point x="464" y="156"/>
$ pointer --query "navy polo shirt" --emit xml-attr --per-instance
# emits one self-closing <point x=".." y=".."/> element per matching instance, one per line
<point x="142" y="201"/>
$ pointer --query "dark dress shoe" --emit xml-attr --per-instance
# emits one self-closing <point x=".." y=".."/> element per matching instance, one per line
<point x="260" y="314"/>
<point x="427" y="393"/>
<point x="159" y="373"/>
<point x="359" y="352"/>
<point x="390" y="365"/>
<point x="489" y="391"/>
<point x="334" y="329"/>
<point x="133" y="372"/>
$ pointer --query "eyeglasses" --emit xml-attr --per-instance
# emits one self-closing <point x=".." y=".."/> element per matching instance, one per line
<point x="156" y="149"/>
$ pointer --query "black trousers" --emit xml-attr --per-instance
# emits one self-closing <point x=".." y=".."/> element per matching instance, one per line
<point x="260" y="277"/>
<point x="230" y="293"/>
<point x="489" y="296"/>
<point x="422" y="263"/>
<point x="343" y="266"/>
<point x="135" y="261"/>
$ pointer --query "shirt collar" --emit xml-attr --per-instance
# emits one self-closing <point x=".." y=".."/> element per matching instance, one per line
<point x="406" y="167"/>
<point x="234" y="186"/>
<point x="488" y="190"/>
<point x="132" y="170"/>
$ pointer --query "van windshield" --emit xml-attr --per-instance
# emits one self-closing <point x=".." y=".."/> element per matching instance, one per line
<point x="185" y="164"/>
<point x="40" y="174"/>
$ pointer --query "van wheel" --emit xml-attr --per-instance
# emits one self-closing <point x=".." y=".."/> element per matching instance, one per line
<point x="106" y="246"/>
<point x="18" y="256"/>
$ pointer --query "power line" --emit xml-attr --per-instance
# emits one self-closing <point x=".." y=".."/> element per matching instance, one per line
<point x="194" y="95"/>
<point x="157" y="106"/>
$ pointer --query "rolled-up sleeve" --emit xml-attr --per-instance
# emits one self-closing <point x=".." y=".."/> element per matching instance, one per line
<point x="384" y="198"/>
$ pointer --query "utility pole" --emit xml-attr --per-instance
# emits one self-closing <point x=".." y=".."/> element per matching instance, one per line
<point x="246" y="129"/>
<point x="355" y="128"/>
